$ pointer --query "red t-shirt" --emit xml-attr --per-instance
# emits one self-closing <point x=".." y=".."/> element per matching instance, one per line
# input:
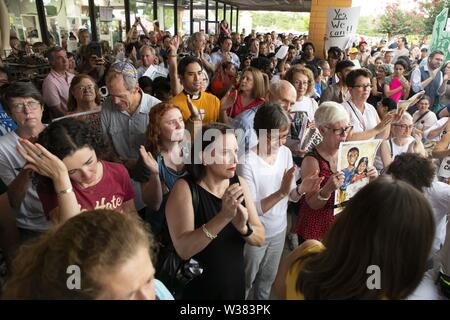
<point x="110" y="192"/>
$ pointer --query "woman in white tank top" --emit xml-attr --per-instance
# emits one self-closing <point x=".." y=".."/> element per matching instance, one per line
<point x="401" y="141"/>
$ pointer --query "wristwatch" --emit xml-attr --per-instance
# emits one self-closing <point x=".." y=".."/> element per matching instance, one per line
<point x="249" y="230"/>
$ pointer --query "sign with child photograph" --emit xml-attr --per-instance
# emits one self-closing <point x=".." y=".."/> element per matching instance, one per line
<point x="354" y="159"/>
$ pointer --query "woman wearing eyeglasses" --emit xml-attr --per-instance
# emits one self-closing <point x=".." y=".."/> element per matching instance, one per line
<point x="83" y="95"/>
<point x="401" y="141"/>
<point x="363" y="116"/>
<point x="424" y="118"/>
<point x="23" y="103"/>
<point x="84" y="101"/>
<point x="316" y="212"/>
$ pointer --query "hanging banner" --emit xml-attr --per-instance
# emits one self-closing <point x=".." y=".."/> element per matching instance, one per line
<point x="341" y="27"/>
<point x="440" y="39"/>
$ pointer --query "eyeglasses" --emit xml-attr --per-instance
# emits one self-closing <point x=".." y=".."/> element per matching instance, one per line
<point x="86" y="88"/>
<point x="403" y="126"/>
<point x="341" y="131"/>
<point x="363" y="86"/>
<point x="303" y="83"/>
<point x="32" y="105"/>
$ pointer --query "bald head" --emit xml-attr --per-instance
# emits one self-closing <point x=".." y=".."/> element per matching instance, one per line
<point x="283" y="93"/>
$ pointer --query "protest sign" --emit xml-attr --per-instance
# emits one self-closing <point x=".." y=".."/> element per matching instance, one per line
<point x="354" y="159"/>
<point x="440" y="39"/>
<point x="341" y="27"/>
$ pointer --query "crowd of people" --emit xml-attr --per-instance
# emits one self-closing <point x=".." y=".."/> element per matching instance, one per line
<point x="192" y="151"/>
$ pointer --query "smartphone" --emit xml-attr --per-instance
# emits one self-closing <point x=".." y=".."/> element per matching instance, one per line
<point x="96" y="49"/>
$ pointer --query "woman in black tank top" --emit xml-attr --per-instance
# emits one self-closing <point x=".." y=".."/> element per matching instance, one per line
<point x="212" y="215"/>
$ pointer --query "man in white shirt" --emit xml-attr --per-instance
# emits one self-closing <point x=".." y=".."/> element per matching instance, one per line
<point x="225" y="54"/>
<point x="148" y="68"/>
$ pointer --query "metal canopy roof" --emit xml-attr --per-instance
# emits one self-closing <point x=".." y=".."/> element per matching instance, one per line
<point x="272" y="5"/>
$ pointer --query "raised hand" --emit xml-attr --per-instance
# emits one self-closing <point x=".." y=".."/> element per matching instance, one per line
<point x="195" y="114"/>
<point x="334" y="182"/>
<point x="311" y="184"/>
<point x="231" y="199"/>
<point x="286" y="183"/>
<point x="228" y="100"/>
<point x="149" y="161"/>
<point x="372" y="173"/>
<point x="240" y="219"/>
<point x="40" y="160"/>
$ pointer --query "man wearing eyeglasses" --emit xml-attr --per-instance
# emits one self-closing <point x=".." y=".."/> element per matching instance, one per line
<point x="364" y="117"/>
<point x="55" y="88"/>
<point x="23" y="103"/>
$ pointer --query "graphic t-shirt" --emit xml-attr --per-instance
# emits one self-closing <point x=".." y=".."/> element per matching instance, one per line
<point x="6" y="123"/>
<point x="110" y="192"/>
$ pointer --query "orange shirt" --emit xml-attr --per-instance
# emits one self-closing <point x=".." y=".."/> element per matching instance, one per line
<point x="207" y="104"/>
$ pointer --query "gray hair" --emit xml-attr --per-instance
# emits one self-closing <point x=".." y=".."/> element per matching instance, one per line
<point x="152" y="50"/>
<point x="330" y="112"/>
<point x="405" y="117"/>
<point x="51" y="54"/>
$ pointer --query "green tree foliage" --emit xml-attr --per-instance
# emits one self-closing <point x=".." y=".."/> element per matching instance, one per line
<point x="430" y="9"/>
<point x="397" y="21"/>
<point x="280" y="21"/>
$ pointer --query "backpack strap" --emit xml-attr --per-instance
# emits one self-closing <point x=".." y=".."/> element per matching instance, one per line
<point x="420" y="118"/>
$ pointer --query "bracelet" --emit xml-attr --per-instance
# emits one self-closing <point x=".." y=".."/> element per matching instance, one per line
<point x="64" y="191"/>
<point x="300" y="194"/>
<point x="319" y="197"/>
<point x="172" y="55"/>
<point x="207" y="233"/>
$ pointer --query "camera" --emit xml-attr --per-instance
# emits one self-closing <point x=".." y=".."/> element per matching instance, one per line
<point x="104" y="91"/>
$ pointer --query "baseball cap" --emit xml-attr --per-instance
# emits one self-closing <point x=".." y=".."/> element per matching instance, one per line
<point x="353" y="50"/>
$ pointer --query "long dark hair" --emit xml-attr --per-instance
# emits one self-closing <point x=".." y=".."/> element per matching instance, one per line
<point x="196" y="168"/>
<point x="64" y="137"/>
<point x="388" y="224"/>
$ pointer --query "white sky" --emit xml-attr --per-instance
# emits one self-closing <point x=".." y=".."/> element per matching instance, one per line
<point x="377" y="6"/>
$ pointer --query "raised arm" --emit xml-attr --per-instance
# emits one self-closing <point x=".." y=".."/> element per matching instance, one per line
<point x="175" y="84"/>
<point x="45" y="163"/>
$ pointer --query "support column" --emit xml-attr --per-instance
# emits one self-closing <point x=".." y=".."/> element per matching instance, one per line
<point x="206" y="16"/>
<point x="92" y="18"/>
<point x="155" y="9"/>
<point x="318" y="21"/>
<point x="42" y="23"/>
<point x="127" y="15"/>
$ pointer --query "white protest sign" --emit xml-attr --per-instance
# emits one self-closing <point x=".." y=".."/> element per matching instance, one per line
<point x="341" y="27"/>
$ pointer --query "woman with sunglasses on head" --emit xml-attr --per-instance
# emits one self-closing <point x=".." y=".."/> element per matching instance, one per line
<point x="316" y="212"/>
<point x="71" y="177"/>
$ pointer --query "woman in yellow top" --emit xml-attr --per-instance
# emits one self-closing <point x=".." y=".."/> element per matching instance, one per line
<point x="376" y="249"/>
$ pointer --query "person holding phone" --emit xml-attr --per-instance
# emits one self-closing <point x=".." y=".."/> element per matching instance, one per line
<point x="94" y="64"/>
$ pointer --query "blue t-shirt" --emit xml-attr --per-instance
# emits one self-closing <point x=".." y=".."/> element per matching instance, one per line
<point x="6" y="123"/>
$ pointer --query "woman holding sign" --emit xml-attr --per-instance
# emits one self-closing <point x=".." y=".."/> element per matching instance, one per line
<point x="316" y="213"/>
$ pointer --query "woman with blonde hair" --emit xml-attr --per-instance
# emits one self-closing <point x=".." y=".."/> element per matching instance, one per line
<point x="100" y="254"/>
<point x="253" y="87"/>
